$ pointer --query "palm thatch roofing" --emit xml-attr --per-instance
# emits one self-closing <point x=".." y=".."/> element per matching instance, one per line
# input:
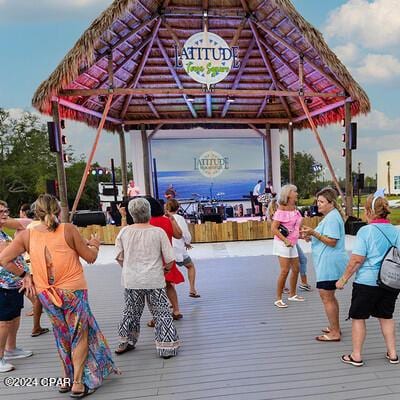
<point x="141" y="35"/>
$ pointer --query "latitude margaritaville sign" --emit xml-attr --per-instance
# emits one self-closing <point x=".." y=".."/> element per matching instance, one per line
<point x="211" y="164"/>
<point x="207" y="58"/>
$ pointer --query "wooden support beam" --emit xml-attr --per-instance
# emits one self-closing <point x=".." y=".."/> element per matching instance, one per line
<point x="269" y="66"/>
<point x="110" y="71"/>
<point x="154" y="131"/>
<point x="291" y="153"/>
<point x="180" y="121"/>
<point x="192" y="92"/>
<point x="328" y="107"/>
<point x="262" y="106"/>
<point x="133" y="83"/>
<point x="90" y="158"/>
<point x="296" y="51"/>
<point x="152" y="108"/>
<point x="77" y="107"/>
<point x="62" y="181"/>
<point x="321" y="145"/>
<point x="239" y="74"/>
<point x="124" y="166"/>
<point x="349" y="156"/>
<point x="175" y="76"/>
<point x="255" y="129"/>
<point x="146" y="159"/>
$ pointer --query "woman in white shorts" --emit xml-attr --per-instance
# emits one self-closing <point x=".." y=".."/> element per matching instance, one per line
<point x="285" y="246"/>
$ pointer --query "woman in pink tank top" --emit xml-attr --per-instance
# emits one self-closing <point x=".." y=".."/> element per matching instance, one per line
<point x="61" y="287"/>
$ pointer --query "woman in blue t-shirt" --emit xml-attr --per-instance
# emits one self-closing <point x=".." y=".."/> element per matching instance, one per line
<point x="329" y="258"/>
<point x="368" y="299"/>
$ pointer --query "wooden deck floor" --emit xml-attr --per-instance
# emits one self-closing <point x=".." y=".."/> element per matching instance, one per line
<point x="235" y="344"/>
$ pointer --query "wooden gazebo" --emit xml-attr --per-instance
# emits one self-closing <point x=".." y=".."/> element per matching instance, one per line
<point x="121" y="74"/>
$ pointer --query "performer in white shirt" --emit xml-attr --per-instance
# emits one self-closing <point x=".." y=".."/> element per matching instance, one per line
<point x="256" y="193"/>
<point x="133" y="190"/>
<point x="181" y="246"/>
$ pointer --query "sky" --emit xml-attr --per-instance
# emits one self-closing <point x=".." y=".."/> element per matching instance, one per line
<point x="365" y="34"/>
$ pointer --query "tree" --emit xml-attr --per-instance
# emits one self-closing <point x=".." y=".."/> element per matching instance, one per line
<point x="304" y="176"/>
<point x="25" y="160"/>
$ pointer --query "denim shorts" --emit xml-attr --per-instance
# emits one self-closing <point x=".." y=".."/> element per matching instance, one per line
<point x="11" y="304"/>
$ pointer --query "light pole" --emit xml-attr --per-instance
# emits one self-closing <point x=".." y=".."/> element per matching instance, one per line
<point x="388" y="175"/>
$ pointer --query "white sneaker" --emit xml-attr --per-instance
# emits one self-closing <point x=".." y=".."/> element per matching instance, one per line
<point x="17" y="353"/>
<point x="5" y="366"/>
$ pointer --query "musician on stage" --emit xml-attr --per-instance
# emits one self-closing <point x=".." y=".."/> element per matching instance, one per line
<point x="170" y="193"/>
<point x="256" y="193"/>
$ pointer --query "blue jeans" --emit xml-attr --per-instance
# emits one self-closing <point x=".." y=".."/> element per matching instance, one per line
<point x="302" y="260"/>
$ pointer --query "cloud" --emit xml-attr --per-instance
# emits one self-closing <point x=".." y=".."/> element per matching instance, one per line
<point x="378" y="67"/>
<point x="347" y="53"/>
<point x="28" y="10"/>
<point x="378" y="121"/>
<point x="373" y="25"/>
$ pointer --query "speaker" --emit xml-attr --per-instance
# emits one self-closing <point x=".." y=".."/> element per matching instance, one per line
<point x="358" y="181"/>
<point x="353" y="225"/>
<point x="353" y="136"/>
<point x="52" y="187"/>
<point x="109" y="191"/>
<point x="54" y="141"/>
<point x="85" y="218"/>
<point x="229" y="212"/>
<point x="218" y="218"/>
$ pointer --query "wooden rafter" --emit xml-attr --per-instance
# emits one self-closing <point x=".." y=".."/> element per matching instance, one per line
<point x="133" y="83"/>
<point x="296" y="51"/>
<point x="193" y="92"/>
<point x="239" y="75"/>
<point x="152" y="107"/>
<point x="180" y="121"/>
<point x="269" y="66"/>
<point x="175" y="76"/>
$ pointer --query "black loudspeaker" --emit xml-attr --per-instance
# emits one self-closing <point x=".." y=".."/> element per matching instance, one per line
<point x="358" y="181"/>
<point x="353" y="136"/>
<point x="218" y="218"/>
<point x="352" y="225"/>
<point x="54" y="142"/>
<point x="52" y="187"/>
<point x="85" y="218"/>
<point x="229" y="212"/>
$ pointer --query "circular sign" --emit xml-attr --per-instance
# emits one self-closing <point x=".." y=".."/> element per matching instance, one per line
<point x="207" y="58"/>
<point x="211" y="164"/>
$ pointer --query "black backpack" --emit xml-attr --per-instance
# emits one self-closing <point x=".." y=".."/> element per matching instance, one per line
<point x="389" y="272"/>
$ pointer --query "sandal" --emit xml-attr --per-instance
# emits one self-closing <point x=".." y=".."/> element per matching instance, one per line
<point x="195" y="295"/>
<point x="177" y="317"/>
<point x="296" y="298"/>
<point x="64" y="389"/>
<point x="41" y="332"/>
<point x="280" y="304"/>
<point x="328" y="330"/>
<point x="123" y="347"/>
<point x="351" y="361"/>
<point x="392" y="360"/>
<point x="80" y="395"/>
<point x="326" y="338"/>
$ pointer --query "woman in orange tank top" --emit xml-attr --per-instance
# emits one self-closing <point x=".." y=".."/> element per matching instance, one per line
<point x="61" y="287"/>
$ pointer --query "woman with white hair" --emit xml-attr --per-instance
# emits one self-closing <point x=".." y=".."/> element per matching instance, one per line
<point x="285" y="228"/>
<point x="145" y="255"/>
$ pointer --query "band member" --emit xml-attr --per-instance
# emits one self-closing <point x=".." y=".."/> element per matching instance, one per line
<point x="133" y="190"/>
<point x="170" y="193"/>
<point x="256" y="193"/>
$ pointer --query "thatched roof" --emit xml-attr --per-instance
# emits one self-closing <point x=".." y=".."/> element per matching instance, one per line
<point x="142" y="35"/>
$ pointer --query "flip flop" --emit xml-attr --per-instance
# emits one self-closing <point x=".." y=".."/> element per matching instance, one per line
<point x="280" y="304"/>
<point x="351" y="361"/>
<point x="195" y="295"/>
<point x="393" y="360"/>
<point x="41" y="332"/>
<point x="80" y="395"/>
<point x="326" y="338"/>
<point x="296" y="298"/>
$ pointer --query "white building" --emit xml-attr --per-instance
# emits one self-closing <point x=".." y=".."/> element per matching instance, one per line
<point x="388" y="171"/>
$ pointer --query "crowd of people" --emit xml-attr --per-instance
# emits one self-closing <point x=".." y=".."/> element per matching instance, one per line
<point x="42" y="262"/>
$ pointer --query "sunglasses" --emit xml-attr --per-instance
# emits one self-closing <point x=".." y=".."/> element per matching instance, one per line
<point x="5" y="211"/>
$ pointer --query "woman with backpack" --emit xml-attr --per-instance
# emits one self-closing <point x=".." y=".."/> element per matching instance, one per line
<point x="368" y="299"/>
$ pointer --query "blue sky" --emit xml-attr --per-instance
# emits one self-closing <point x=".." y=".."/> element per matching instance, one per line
<point x="365" y="34"/>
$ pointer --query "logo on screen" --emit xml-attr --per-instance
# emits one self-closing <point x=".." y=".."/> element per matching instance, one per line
<point x="211" y="164"/>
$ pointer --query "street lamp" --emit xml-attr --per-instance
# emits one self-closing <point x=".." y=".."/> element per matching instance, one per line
<point x="388" y="175"/>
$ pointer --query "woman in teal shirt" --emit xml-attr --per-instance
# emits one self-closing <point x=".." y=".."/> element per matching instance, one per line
<point x="329" y="258"/>
<point x="368" y="299"/>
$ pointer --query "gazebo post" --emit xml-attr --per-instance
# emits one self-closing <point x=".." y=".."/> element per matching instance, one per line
<point x="90" y="158"/>
<point x="348" y="155"/>
<point x="291" y="152"/>
<point x="62" y="181"/>
<point x="122" y="149"/>
<point x="146" y="159"/>
<point x="268" y="146"/>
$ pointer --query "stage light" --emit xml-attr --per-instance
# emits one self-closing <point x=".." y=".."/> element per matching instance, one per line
<point x="230" y="99"/>
<point x="290" y="123"/>
<point x="190" y="98"/>
<point x="93" y="172"/>
<point x="100" y="171"/>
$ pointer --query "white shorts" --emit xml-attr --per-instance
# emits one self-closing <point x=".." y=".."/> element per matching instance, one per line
<point x="279" y="249"/>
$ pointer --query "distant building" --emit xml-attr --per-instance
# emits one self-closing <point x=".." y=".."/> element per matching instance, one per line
<point x="388" y="169"/>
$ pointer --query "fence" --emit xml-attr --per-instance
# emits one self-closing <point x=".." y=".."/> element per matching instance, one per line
<point x="205" y="233"/>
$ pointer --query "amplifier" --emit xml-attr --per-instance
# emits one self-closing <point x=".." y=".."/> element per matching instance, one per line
<point x="218" y="218"/>
<point x="85" y="218"/>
